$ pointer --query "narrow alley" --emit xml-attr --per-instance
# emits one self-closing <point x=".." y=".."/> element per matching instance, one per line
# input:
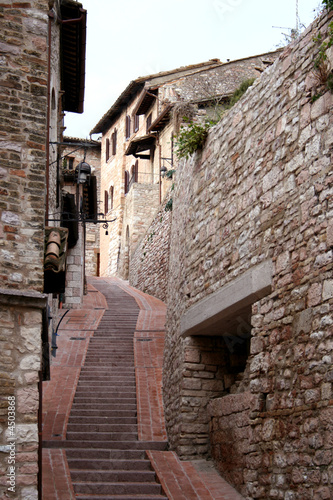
<point x="103" y="425"/>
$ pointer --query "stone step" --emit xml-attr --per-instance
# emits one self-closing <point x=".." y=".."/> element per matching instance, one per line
<point x="98" y="419"/>
<point x="96" y="381"/>
<point x="104" y="400"/>
<point x="109" y="370"/>
<point x="107" y="455"/>
<point x="99" y="427"/>
<point x="113" y="476"/>
<point x="88" y="391"/>
<point x="107" y="436"/>
<point x="117" y="488"/>
<point x="103" y="444"/>
<point x="113" y="464"/>
<point x="116" y="414"/>
<point x="102" y="407"/>
<point x="121" y="497"/>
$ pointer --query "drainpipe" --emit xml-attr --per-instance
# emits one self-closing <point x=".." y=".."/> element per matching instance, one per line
<point x="159" y="170"/>
<point x="47" y="173"/>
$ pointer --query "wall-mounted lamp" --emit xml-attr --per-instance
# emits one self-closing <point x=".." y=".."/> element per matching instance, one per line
<point x="164" y="169"/>
<point x="83" y="173"/>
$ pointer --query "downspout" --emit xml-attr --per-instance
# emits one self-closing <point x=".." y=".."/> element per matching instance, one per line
<point x="159" y="170"/>
<point x="47" y="173"/>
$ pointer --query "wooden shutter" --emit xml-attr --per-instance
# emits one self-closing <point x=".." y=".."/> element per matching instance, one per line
<point x="149" y="121"/>
<point x="136" y="169"/>
<point x="136" y="122"/>
<point x="107" y="149"/>
<point x="114" y="142"/>
<point x="126" y="181"/>
<point x="128" y="127"/>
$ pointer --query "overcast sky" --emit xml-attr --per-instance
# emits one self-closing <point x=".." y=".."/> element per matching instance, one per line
<point x="131" y="38"/>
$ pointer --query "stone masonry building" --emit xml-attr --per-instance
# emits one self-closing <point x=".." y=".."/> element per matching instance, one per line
<point x="138" y="147"/>
<point x="36" y="87"/>
<point x="247" y="376"/>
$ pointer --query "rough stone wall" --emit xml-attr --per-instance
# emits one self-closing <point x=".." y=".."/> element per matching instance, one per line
<point x="93" y="158"/>
<point x="23" y="92"/>
<point x="149" y="262"/>
<point x="141" y="203"/>
<point x="20" y="344"/>
<point x="23" y="96"/>
<point x="231" y="436"/>
<point x="261" y="190"/>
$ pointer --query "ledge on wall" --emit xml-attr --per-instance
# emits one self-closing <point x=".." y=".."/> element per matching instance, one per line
<point x="207" y="316"/>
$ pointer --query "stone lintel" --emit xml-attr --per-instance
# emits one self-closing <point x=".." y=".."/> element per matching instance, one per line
<point x="248" y="288"/>
<point x="23" y="298"/>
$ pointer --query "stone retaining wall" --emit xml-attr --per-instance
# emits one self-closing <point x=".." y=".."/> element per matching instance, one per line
<point x="260" y="192"/>
<point x="150" y="260"/>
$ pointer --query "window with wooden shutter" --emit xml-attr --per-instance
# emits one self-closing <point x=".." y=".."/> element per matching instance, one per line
<point x="111" y="198"/>
<point x="107" y="149"/>
<point x="114" y="142"/>
<point x="128" y="127"/>
<point x="136" y="171"/>
<point x="136" y="122"/>
<point x="126" y="181"/>
<point x="148" y="122"/>
<point x="106" y="202"/>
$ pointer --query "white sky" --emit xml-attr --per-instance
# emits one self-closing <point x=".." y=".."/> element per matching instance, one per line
<point x="131" y="38"/>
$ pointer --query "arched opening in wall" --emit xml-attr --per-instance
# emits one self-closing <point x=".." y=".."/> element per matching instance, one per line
<point x="126" y="254"/>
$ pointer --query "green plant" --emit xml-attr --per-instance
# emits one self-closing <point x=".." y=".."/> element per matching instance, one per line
<point x="239" y="92"/>
<point x="192" y="137"/>
<point x="328" y="4"/>
<point x="168" y="206"/>
<point x="169" y="173"/>
<point x="321" y="66"/>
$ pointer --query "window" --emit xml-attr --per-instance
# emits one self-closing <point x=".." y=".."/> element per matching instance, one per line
<point x="148" y="122"/>
<point x="69" y="162"/>
<point x="106" y="202"/>
<point x="114" y="142"/>
<point x="110" y="204"/>
<point x="128" y="127"/>
<point x="136" y="122"/>
<point x="135" y="171"/>
<point x="107" y="149"/>
<point x="126" y="181"/>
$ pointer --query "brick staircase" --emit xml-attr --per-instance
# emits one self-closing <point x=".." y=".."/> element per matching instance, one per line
<point x="105" y="458"/>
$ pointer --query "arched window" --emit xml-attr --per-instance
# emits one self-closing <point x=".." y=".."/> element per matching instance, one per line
<point x="136" y="171"/>
<point x="107" y="149"/>
<point x="111" y="198"/>
<point x="127" y="179"/>
<point x="114" y="142"/>
<point x="106" y="202"/>
<point x="128" y="127"/>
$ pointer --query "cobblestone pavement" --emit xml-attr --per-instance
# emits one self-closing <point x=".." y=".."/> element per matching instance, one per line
<point x="197" y="480"/>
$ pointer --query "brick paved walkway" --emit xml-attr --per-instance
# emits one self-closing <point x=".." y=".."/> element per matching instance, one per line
<point x="180" y="480"/>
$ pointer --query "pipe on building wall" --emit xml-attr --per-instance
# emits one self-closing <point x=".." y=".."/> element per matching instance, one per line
<point x="48" y="113"/>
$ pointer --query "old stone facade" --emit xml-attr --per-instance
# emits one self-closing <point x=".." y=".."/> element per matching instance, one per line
<point x="248" y="358"/>
<point x="83" y="257"/>
<point x="137" y="144"/>
<point x="31" y="119"/>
